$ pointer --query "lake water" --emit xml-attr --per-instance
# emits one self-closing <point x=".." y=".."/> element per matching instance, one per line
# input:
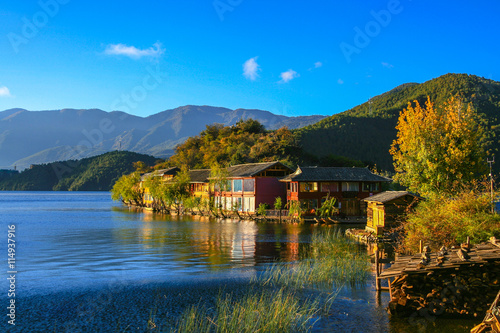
<point x="86" y="263"/>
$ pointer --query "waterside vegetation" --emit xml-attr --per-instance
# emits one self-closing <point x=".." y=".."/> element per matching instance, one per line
<point x="284" y="298"/>
<point x="440" y="152"/>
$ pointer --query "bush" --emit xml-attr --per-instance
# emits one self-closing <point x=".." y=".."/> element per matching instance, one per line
<point x="262" y="209"/>
<point x="449" y="220"/>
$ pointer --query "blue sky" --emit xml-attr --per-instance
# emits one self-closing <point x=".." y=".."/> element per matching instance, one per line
<point x="289" y="57"/>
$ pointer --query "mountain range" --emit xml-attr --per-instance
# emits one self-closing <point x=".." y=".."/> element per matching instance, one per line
<point x="364" y="132"/>
<point x="35" y="137"/>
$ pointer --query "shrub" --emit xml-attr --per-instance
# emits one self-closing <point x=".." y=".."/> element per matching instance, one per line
<point x="450" y="220"/>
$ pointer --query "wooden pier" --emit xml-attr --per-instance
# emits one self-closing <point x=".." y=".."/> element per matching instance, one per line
<point x="445" y="282"/>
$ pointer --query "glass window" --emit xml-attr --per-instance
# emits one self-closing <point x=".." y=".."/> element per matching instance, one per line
<point x="237" y="185"/>
<point x="350" y="186"/>
<point x="370" y="187"/>
<point x="309" y="204"/>
<point x="308" y="187"/>
<point x="329" y="187"/>
<point x="249" y="185"/>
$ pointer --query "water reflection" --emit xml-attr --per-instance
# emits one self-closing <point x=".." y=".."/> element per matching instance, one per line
<point x="216" y="244"/>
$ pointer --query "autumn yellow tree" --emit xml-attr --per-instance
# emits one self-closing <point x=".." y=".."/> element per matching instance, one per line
<point x="439" y="150"/>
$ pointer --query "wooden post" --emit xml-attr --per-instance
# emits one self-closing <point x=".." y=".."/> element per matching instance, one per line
<point x="377" y="272"/>
<point x="420" y="246"/>
<point x="390" y="288"/>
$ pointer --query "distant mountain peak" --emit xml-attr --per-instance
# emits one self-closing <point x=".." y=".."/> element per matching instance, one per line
<point x="42" y="137"/>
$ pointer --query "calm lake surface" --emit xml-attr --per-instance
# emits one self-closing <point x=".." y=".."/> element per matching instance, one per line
<point x="86" y="263"/>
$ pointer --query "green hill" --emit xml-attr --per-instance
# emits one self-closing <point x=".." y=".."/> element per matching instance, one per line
<point x="367" y="131"/>
<point x="248" y="142"/>
<point x="97" y="173"/>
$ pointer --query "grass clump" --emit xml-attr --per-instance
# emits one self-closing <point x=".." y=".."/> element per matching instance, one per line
<point x="333" y="260"/>
<point x="258" y="311"/>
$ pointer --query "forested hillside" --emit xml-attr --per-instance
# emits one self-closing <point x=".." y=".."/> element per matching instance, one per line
<point x="248" y="142"/>
<point x="367" y="131"/>
<point x="97" y="173"/>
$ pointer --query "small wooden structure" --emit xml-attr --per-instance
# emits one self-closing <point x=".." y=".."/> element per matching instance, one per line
<point x="384" y="208"/>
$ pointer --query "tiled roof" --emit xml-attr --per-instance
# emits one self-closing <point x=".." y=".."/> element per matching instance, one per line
<point x="389" y="196"/>
<point x="251" y="169"/>
<point x="317" y="174"/>
<point x="161" y="172"/>
<point x="199" y="175"/>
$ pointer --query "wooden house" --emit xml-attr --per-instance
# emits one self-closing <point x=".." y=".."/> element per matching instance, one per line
<point x="199" y="183"/>
<point x="383" y="209"/>
<point x="312" y="185"/>
<point x="252" y="184"/>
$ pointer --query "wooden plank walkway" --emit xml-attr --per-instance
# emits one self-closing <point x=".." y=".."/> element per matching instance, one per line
<point x="479" y="254"/>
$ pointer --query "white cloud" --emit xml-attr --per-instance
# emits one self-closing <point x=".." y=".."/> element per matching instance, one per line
<point x="251" y="69"/>
<point x="340" y="81"/>
<point x="289" y="75"/>
<point x="4" y="92"/>
<point x="318" y="64"/>
<point x="133" y="52"/>
<point x="387" y="65"/>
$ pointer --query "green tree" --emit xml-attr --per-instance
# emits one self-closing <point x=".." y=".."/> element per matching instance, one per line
<point x="219" y="181"/>
<point x="278" y="204"/>
<point x="294" y="209"/>
<point x="127" y="188"/>
<point x="158" y="190"/>
<point x="261" y="210"/>
<point x="328" y="207"/>
<point x="177" y="190"/>
<point x="438" y="150"/>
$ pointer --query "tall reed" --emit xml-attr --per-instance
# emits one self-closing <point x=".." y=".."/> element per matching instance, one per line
<point x="333" y="260"/>
<point x="258" y="311"/>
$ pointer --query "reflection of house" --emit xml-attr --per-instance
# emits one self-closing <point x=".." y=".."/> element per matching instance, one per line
<point x="252" y="184"/>
<point x="311" y="186"/>
<point x="384" y="208"/>
<point x="199" y="183"/>
<point x="165" y="174"/>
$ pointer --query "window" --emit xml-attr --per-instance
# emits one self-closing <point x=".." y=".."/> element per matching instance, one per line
<point x="309" y="187"/>
<point x="309" y="204"/>
<point x="249" y="185"/>
<point x="329" y="187"/>
<point x="350" y="186"/>
<point x="370" y="187"/>
<point x="237" y="185"/>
